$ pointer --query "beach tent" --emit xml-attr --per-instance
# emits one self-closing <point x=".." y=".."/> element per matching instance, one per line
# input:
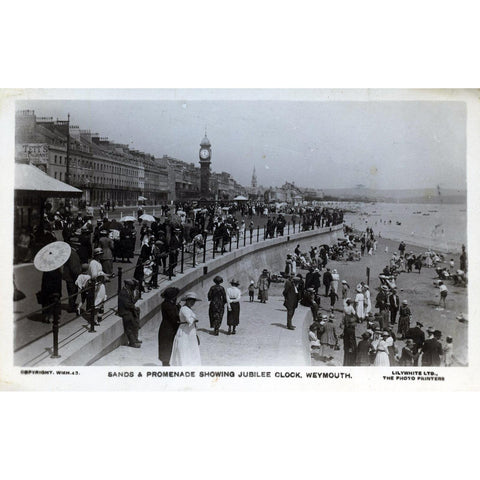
<point x="240" y="198"/>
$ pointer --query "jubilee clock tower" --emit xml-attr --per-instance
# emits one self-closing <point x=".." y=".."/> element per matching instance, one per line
<point x="205" y="154"/>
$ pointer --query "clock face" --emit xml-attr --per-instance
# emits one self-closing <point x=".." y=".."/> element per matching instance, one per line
<point x="204" y="153"/>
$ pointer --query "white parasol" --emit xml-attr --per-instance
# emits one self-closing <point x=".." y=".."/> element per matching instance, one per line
<point x="147" y="218"/>
<point x="52" y="256"/>
<point x="128" y="218"/>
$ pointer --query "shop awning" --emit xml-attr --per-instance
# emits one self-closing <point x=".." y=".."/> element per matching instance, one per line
<point x="31" y="179"/>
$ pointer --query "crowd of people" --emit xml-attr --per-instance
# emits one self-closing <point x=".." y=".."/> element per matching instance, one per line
<point x="383" y="317"/>
<point x="384" y="328"/>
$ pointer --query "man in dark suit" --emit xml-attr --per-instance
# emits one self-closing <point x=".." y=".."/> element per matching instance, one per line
<point x="418" y="336"/>
<point x="290" y="294"/>
<point x="309" y="278"/>
<point x="175" y="244"/>
<point x="327" y="280"/>
<point x="432" y="350"/>
<point x="129" y="313"/>
<point x="315" y="280"/>
<point x="394" y="306"/>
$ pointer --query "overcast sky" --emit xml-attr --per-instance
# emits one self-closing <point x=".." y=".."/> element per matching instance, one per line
<point x="315" y="144"/>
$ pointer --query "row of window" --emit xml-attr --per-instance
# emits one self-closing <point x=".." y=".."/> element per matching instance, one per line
<point x="97" y="166"/>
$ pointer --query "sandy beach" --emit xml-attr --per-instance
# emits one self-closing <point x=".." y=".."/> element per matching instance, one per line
<point x="418" y="289"/>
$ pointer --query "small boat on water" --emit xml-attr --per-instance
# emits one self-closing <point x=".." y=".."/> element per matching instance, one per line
<point x="426" y="214"/>
<point x="417" y="213"/>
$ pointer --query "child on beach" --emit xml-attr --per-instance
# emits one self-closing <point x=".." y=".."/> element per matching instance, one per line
<point x="333" y="298"/>
<point x="251" y="290"/>
<point x="443" y="294"/>
<point x="448" y="352"/>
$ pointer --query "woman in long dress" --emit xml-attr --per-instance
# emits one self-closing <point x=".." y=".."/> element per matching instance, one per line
<point x="367" y="301"/>
<point x="217" y="298"/>
<point x="335" y="280"/>
<point x="233" y="306"/>
<point x="404" y="320"/>
<point x="381" y="358"/>
<point x="169" y="326"/>
<point x="359" y="305"/>
<point x="263" y="285"/>
<point x="185" y="349"/>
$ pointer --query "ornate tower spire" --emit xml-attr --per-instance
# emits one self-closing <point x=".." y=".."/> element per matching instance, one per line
<point x="254" y="178"/>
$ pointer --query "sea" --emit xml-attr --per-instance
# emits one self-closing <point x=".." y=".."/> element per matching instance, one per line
<point x="441" y="227"/>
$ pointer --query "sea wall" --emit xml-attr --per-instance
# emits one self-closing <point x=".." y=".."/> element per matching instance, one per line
<point x="245" y="264"/>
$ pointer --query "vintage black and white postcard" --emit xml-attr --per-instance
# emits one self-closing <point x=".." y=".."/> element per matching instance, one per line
<point x="240" y="239"/>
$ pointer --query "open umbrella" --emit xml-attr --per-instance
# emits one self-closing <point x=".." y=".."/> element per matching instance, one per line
<point x="128" y="218"/>
<point x="142" y="198"/>
<point x="147" y="218"/>
<point x="52" y="256"/>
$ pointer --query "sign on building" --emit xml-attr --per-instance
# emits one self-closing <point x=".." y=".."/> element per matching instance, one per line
<point x="35" y="153"/>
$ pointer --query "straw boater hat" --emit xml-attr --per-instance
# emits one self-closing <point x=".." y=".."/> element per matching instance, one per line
<point x="359" y="289"/>
<point x="344" y="281"/>
<point x="191" y="296"/>
<point x="97" y="251"/>
<point x="430" y="329"/>
<point x="384" y="287"/>
<point x="385" y="334"/>
<point x="405" y="302"/>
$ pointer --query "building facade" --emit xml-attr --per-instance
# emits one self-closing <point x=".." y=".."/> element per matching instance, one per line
<point x="108" y="171"/>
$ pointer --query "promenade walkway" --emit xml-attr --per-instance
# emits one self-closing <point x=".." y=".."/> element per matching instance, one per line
<point x="262" y="338"/>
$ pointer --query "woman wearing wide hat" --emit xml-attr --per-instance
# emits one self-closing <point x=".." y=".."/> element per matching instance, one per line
<point x="217" y="298"/>
<point x="169" y="324"/>
<point x="185" y="350"/>
<point x="233" y="306"/>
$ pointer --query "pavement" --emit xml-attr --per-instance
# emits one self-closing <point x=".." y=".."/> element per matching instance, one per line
<point x="263" y="339"/>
